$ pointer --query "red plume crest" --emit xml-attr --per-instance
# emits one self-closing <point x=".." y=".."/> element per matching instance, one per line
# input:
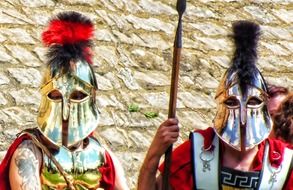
<point x="67" y="32"/>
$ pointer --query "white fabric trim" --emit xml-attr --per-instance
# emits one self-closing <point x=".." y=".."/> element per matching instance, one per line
<point x="281" y="172"/>
<point x="210" y="178"/>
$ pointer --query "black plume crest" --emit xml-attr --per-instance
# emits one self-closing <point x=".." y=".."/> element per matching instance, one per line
<point x="246" y="36"/>
<point x="71" y="16"/>
<point x="59" y="56"/>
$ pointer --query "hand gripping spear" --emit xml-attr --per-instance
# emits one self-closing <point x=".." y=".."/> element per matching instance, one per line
<point x="180" y="7"/>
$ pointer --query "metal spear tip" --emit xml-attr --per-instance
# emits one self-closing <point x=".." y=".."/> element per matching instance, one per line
<point x="181" y="6"/>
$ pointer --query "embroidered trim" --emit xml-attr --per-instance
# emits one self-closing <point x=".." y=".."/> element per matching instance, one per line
<point x="239" y="179"/>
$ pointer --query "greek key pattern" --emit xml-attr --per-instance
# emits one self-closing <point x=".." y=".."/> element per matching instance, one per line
<point x="250" y="180"/>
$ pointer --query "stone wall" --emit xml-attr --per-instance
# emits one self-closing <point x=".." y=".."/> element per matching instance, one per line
<point x="133" y="55"/>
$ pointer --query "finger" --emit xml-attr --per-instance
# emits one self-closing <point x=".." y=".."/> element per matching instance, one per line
<point x="168" y="141"/>
<point x="174" y="134"/>
<point x="170" y="121"/>
<point x="173" y="120"/>
<point x="171" y="140"/>
<point x="166" y="131"/>
<point x="171" y="128"/>
<point x="168" y="137"/>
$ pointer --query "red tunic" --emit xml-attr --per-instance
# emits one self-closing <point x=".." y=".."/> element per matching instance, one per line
<point x="181" y="168"/>
<point x="108" y="172"/>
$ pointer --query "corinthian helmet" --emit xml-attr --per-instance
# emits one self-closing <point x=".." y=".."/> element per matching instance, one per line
<point x="242" y="120"/>
<point x="69" y="84"/>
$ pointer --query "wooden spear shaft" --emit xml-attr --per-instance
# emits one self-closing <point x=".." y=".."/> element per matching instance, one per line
<point x="180" y="7"/>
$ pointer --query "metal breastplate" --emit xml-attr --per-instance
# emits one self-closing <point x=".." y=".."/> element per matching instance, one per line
<point x="81" y="166"/>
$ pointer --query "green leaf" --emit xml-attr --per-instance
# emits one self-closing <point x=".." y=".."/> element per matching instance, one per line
<point x="133" y="108"/>
<point x="151" y="114"/>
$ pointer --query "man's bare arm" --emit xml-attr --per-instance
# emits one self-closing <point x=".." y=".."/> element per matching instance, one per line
<point x="25" y="166"/>
<point x="147" y="175"/>
<point x="167" y="134"/>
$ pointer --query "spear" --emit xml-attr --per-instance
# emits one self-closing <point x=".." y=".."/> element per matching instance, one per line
<point x="180" y="7"/>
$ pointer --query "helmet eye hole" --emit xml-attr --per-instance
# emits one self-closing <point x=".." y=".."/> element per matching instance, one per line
<point x="78" y="95"/>
<point x="254" y="101"/>
<point x="55" y="95"/>
<point x="232" y="102"/>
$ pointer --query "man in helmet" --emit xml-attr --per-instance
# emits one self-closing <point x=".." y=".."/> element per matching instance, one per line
<point x="61" y="152"/>
<point x="235" y="153"/>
